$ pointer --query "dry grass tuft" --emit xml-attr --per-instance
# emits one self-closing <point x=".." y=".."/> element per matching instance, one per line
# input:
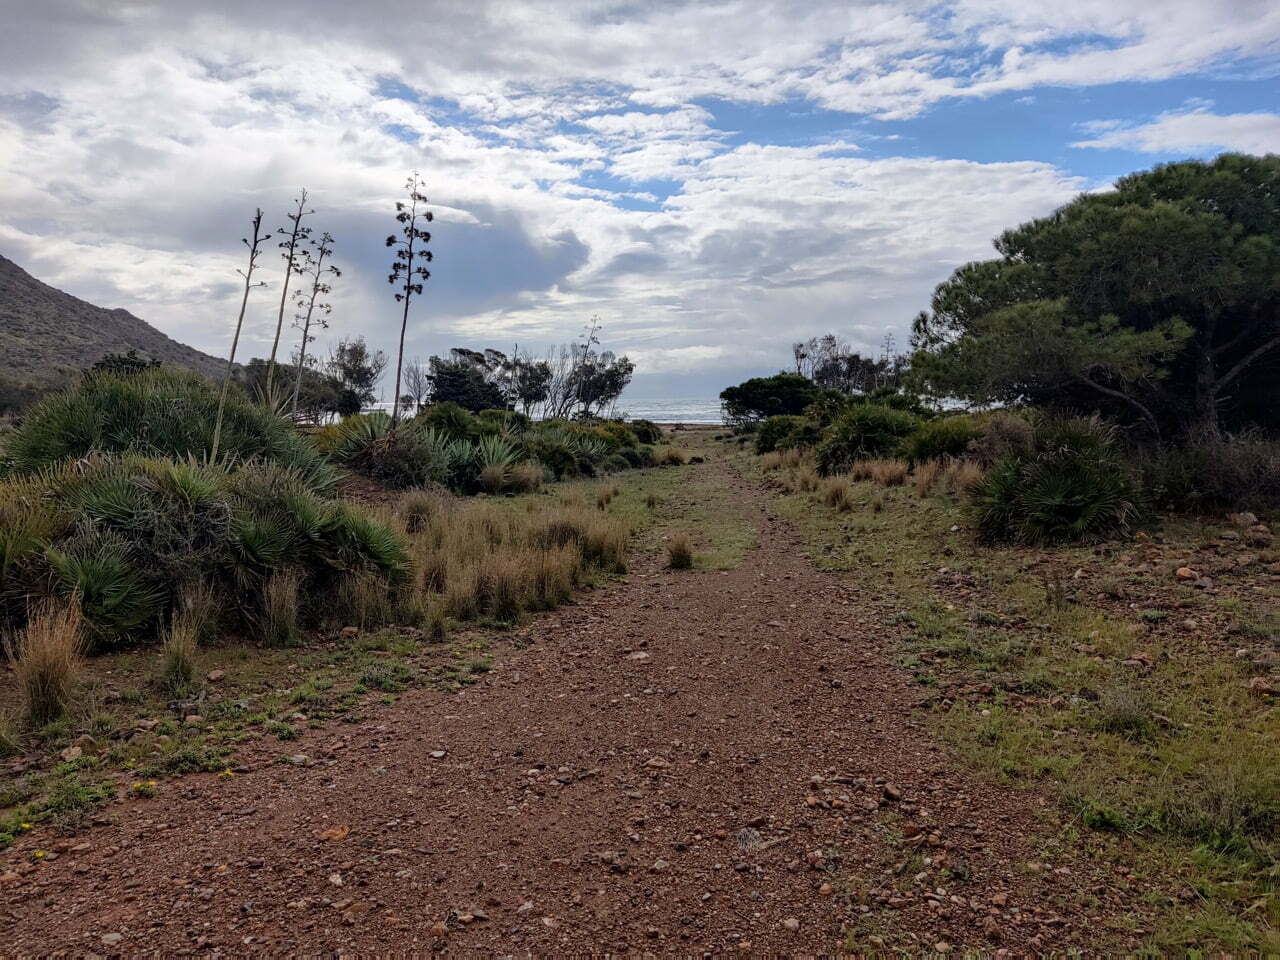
<point x="837" y="493"/>
<point x="679" y="551"/>
<point x="179" y="657"/>
<point x="493" y="478"/>
<point x="807" y="479"/>
<point x="525" y="478"/>
<point x="927" y="476"/>
<point x="889" y="473"/>
<point x="962" y="476"/>
<point x="279" y="620"/>
<point x="651" y="501"/>
<point x="771" y="461"/>
<point x="603" y="497"/>
<point x="46" y="659"/>
<point x="671" y="457"/>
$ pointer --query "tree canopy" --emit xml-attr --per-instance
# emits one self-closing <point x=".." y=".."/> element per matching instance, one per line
<point x="1156" y="303"/>
<point x="760" y="397"/>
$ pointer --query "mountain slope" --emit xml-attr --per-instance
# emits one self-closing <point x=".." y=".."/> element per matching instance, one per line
<point x="47" y="335"/>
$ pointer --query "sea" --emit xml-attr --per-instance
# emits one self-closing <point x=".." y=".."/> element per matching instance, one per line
<point x="692" y="410"/>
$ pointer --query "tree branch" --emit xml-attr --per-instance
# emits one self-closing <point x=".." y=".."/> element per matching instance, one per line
<point x="1121" y="395"/>
<point x="1244" y="362"/>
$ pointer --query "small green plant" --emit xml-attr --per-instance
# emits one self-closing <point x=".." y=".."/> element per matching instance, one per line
<point x="390" y="676"/>
<point x="179" y="663"/>
<point x="279" y="617"/>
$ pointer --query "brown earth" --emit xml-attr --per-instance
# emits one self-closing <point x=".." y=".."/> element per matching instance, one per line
<point x="684" y="762"/>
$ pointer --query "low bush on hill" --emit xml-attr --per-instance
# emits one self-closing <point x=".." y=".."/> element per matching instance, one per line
<point x="157" y="413"/>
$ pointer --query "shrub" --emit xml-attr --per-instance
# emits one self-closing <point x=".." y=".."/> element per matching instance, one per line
<point x="1001" y="433"/>
<point x="646" y="431"/>
<point x="679" y="552"/>
<point x="45" y="658"/>
<point x="1073" y="487"/>
<point x="162" y="413"/>
<point x="1233" y="473"/>
<point x="943" y="437"/>
<point x="863" y="431"/>
<point x="671" y="457"/>
<point x="786" y="432"/>
<point x="448" y="420"/>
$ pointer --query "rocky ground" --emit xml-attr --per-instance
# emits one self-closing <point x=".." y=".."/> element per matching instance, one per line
<point x="696" y="761"/>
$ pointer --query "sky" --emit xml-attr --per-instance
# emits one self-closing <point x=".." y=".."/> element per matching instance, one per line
<point x="714" y="180"/>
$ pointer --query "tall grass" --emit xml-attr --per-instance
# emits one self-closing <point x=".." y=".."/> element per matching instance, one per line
<point x="679" y="551"/>
<point x="46" y="659"/>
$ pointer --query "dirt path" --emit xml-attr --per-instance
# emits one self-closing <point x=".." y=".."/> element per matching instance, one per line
<point x="685" y="762"/>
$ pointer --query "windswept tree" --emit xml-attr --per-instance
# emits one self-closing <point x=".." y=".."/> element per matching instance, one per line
<point x="1157" y="303"/>
<point x="255" y="249"/>
<point x="313" y="258"/>
<point x="407" y="272"/>
<point x="357" y="371"/>
<point x="530" y="382"/>
<point x="294" y="234"/>
<point x="472" y="379"/>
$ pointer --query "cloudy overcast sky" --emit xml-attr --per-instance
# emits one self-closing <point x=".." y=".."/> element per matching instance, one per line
<point x="714" y="179"/>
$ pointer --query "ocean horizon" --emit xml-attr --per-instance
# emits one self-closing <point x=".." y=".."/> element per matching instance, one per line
<point x="695" y="410"/>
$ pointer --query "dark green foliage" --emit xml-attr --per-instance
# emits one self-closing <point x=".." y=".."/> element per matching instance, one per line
<point x="161" y="413"/>
<point x="864" y="431"/>
<point x="646" y="431"/>
<point x="461" y="382"/>
<point x="128" y="533"/>
<point x="1073" y="487"/>
<point x="503" y="421"/>
<point x="1155" y="304"/>
<point x="943" y="437"/>
<point x="1233" y="473"/>
<point x="760" y="397"/>
<point x="123" y="363"/>
<point x="784" y="432"/>
<point x="451" y="420"/>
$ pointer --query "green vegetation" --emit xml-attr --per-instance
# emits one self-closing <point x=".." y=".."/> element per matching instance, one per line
<point x="156" y="413"/>
<point x="1065" y="670"/>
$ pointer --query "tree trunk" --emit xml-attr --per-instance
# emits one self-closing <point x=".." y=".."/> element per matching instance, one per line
<point x="1204" y="425"/>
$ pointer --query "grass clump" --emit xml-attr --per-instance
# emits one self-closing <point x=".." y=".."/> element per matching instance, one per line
<point x="837" y="493"/>
<point x="179" y="664"/>
<point x="680" y="551"/>
<point x="46" y="659"/>
<point x="671" y="457"/>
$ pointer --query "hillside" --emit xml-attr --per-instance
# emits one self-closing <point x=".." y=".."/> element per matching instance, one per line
<point x="46" y="334"/>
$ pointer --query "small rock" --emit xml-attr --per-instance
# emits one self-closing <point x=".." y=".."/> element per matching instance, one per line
<point x="112" y="939"/>
<point x="437" y="754"/>
<point x="193" y="720"/>
<point x="1186" y="573"/>
<point x="791" y="923"/>
<point x="892" y="792"/>
<point x="638" y="655"/>
<point x="213" y="676"/>
<point x="658" y="762"/>
<point x="71" y="753"/>
<point x="659" y="865"/>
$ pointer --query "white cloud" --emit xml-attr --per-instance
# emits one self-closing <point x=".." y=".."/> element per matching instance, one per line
<point x="1192" y="131"/>
<point x="136" y="139"/>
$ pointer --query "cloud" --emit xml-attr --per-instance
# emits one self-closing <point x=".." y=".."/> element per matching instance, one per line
<point x="1189" y="132"/>
<point x="571" y="151"/>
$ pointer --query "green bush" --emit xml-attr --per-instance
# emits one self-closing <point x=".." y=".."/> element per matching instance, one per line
<point x="784" y="432"/>
<point x="129" y="533"/>
<point x="646" y="431"/>
<point x="450" y="420"/>
<point x="864" y="431"/>
<point x="157" y="413"/>
<point x="943" y="437"/>
<point x="1073" y="487"/>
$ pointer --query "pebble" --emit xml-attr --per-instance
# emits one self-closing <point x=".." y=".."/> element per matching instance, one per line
<point x="791" y="923"/>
